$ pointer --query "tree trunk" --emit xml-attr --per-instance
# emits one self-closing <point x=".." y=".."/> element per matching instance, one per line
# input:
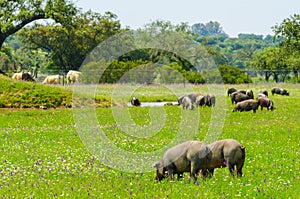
<point x="284" y="75"/>
<point x="276" y="77"/>
<point x="267" y="76"/>
<point x="296" y="75"/>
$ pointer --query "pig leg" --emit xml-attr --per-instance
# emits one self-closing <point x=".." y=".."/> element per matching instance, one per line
<point x="231" y="168"/>
<point x="211" y="172"/>
<point x="239" y="167"/>
<point x="194" y="170"/>
<point x="171" y="176"/>
<point x="207" y="172"/>
<point x="171" y="172"/>
<point x="179" y="176"/>
<point x="204" y="173"/>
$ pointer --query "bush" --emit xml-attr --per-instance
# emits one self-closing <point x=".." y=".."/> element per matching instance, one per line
<point x="233" y="75"/>
<point x="194" y="77"/>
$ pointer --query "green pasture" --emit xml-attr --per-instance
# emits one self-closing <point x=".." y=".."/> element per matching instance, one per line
<point x="43" y="155"/>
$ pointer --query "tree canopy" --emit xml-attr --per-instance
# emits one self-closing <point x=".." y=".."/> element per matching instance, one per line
<point x="289" y="30"/>
<point x="16" y="14"/>
<point x="208" y="29"/>
<point x="69" y="44"/>
<point x="285" y="57"/>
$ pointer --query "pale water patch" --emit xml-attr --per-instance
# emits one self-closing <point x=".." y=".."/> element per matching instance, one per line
<point x="156" y="104"/>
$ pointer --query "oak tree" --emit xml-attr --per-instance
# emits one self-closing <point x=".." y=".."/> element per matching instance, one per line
<point x="15" y="14"/>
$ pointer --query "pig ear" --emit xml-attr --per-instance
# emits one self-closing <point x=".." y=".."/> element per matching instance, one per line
<point x="156" y="165"/>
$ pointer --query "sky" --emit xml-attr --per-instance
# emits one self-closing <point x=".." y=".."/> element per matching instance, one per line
<point x="235" y="16"/>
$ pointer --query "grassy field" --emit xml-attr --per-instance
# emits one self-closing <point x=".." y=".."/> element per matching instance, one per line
<point x="18" y="94"/>
<point x="45" y="155"/>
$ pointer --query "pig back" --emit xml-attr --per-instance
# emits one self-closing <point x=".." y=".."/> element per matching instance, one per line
<point x="176" y="153"/>
<point x="197" y="151"/>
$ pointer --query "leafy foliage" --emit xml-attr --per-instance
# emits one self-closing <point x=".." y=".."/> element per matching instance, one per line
<point x="68" y="45"/>
<point x="14" y="15"/>
<point x="270" y="61"/>
<point x="289" y="29"/>
<point x="209" y="29"/>
<point x="232" y="75"/>
<point x="284" y="58"/>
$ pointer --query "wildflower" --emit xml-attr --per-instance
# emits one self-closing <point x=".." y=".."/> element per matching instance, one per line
<point x="258" y="190"/>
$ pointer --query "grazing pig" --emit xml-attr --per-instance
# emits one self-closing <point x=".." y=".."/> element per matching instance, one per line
<point x="242" y="91"/>
<point x="191" y="156"/>
<point x="284" y="92"/>
<point x="275" y="90"/>
<point x="193" y="97"/>
<point x="246" y="105"/>
<point x="265" y="102"/>
<point x="135" y="102"/>
<point x="210" y="100"/>
<point x="279" y="91"/>
<point x="264" y="91"/>
<point x="231" y="90"/>
<point x="227" y="153"/>
<point x="180" y="100"/>
<point x="201" y="100"/>
<point x="27" y="77"/>
<point x="187" y="103"/>
<point x="261" y="95"/>
<point x="238" y="97"/>
<point x="250" y="94"/>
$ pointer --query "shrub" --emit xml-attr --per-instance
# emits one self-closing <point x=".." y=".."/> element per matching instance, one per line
<point x="233" y="75"/>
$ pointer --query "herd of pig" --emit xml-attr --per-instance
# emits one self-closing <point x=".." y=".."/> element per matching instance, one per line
<point x="244" y="99"/>
<point x="198" y="157"/>
<point x="197" y="99"/>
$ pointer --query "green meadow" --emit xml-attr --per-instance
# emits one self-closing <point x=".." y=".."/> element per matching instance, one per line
<point x="44" y="155"/>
